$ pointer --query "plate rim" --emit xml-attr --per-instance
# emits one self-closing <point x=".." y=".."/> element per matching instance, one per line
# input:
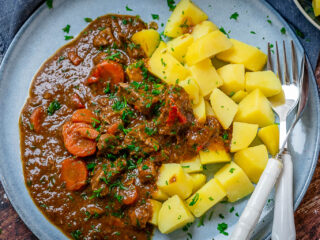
<point x="305" y="14"/>
<point x="40" y="233"/>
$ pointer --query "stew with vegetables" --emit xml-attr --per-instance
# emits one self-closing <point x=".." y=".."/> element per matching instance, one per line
<point x="96" y="128"/>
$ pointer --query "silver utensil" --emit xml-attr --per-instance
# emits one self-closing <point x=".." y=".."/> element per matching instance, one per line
<point x="252" y="211"/>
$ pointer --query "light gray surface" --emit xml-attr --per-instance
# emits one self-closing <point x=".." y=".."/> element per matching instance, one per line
<point x="41" y="36"/>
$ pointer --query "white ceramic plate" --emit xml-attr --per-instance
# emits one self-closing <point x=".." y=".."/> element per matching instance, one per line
<point x="42" y="35"/>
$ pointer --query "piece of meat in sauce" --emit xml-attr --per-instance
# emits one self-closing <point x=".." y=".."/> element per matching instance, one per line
<point x="147" y="171"/>
<point x="139" y="216"/>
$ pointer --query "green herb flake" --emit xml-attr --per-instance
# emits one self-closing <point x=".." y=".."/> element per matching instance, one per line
<point x="128" y="9"/>
<point x="232" y="170"/>
<point x="68" y="38"/>
<point x="88" y="19"/>
<point x="283" y="31"/>
<point x="221" y="216"/>
<point x="299" y="33"/>
<point x="66" y="29"/>
<point x="269" y="21"/>
<point x="224" y="32"/>
<point x="155" y="16"/>
<point x="49" y="3"/>
<point x="252" y="32"/>
<point x="234" y="16"/>
<point x="222" y="227"/>
<point x="231" y="209"/>
<point x="194" y="199"/>
<point x="54" y="106"/>
<point x="76" y="234"/>
<point x="171" y="4"/>
<point x="211" y="198"/>
<point x="201" y="220"/>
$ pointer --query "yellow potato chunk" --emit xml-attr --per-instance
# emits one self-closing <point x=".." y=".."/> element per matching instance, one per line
<point x="216" y="153"/>
<point x="209" y="111"/>
<point x="206" y="76"/>
<point x="234" y="181"/>
<point x="238" y="96"/>
<point x="199" y="110"/>
<point x="270" y="137"/>
<point x="192" y="88"/>
<point x="206" y="197"/>
<point x="242" y="135"/>
<point x="224" y="108"/>
<point x="268" y="83"/>
<point x="253" y="161"/>
<point x="193" y="165"/>
<point x="184" y="16"/>
<point x="278" y="99"/>
<point x="251" y="57"/>
<point x="316" y="7"/>
<point x="202" y="29"/>
<point x="148" y="39"/>
<point x="207" y="46"/>
<point x="255" y="108"/>
<point x="178" y="46"/>
<point x="198" y="180"/>
<point x="163" y="65"/>
<point x="155" y="206"/>
<point x="159" y="195"/>
<point x="233" y="78"/>
<point x="173" y="215"/>
<point x="173" y="180"/>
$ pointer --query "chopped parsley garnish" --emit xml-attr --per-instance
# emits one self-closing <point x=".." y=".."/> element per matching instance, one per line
<point x="221" y="216"/>
<point x="231" y="209"/>
<point x="186" y="166"/>
<point x="150" y="131"/>
<point x="283" y="31"/>
<point x="145" y="167"/>
<point x="68" y="37"/>
<point x="61" y="58"/>
<point x="269" y="21"/>
<point x="49" y="3"/>
<point x="232" y="93"/>
<point x="76" y="234"/>
<point x="232" y="170"/>
<point x="88" y="19"/>
<point x="119" y="105"/>
<point x="211" y="198"/>
<point x="194" y="199"/>
<point x="225" y="136"/>
<point x="201" y="221"/>
<point x="299" y="33"/>
<point x="128" y="9"/>
<point x="66" y="29"/>
<point x="107" y="89"/>
<point x="234" y="16"/>
<point x="54" y="106"/>
<point x="91" y="166"/>
<point x="252" y="32"/>
<point x="222" y="227"/>
<point x="224" y="32"/>
<point x="155" y="16"/>
<point x="171" y="4"/>
<point x="113" y="56"/>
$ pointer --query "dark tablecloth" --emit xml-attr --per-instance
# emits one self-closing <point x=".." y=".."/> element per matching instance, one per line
<point x="13" y="13"/>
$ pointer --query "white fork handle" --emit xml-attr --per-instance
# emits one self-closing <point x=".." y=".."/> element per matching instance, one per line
<point x="283" y="220"/>
<point x="252" y="211"/>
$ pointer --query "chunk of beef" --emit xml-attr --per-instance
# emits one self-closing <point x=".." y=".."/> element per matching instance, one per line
<point x="108" y="143"/>
<point x="139" y="216"/>
<point x="105" y="37"/>
<point x="138" y="141"/>
<point x="74" y="57"/>
<point x="147" y="171"/>
<point x="117" y="56"/>
<point x="141" y="100"/>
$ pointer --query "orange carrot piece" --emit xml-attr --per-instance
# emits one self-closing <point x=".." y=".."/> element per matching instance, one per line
<point x="74" y="173"/>
<point x="89" y="133"/>
<point x="108" y="71"/>
<point x="113" y="128"/>
<point x="36" y="119"/>
<point x="130" y="196"/>
<point x="85" y="116"/>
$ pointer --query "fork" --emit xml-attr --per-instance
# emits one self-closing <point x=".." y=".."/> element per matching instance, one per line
<point x="252" y="211"/>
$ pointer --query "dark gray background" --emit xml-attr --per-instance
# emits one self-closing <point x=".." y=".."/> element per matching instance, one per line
<point x="13" y="13"/>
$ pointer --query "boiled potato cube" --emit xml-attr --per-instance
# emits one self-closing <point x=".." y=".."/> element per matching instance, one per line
<point x="184" y="16"/>
<point x="255" y="108"/>
<point x="173" y="180"/>
<point x="233" y="78"/>
<point x="316" y="7"/>
<point x="238" y="96"/>
<point x="270" y="137"/>
<point x="192" y="88"/>
<point x="242" y="135"/>
<point x="207" y="46"/>
<point x="198" y="180"/>
<point x="148" y="39"/>
<point x="234" y="181"/>
<point x="193" y="165"/>
<point x="206" y="197"/>
<point x="253" y="161"/>
<point x="199" y="110"/>
<point x="268" y="83"/>
<point x="173" y="215"/>
<point x="216" y="153"/>
<point x="209" y="111"/>
<point x="163" y="65"/>
<point x="159" y="195"/>
<point x="206" y="76"/>
<point x="178" y="46"/>
<point x="223" y="107"/>
<point x="278" y="99"/>
<point x="202" y="29"/>
<point x="155" y="206"/>
<point x="251" y="57"/>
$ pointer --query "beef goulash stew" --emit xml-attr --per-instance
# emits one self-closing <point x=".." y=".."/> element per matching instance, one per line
<point x="97" y="127"/>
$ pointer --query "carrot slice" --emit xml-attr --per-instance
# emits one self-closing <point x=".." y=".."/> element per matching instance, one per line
<point x="88" y="132"/>
<point x="36" y="119"/>
<point x="85" y="116"/>
<point x="75" y="143"/>
<point x="74" y="173"/>
<point x="130" y="196"/>
<point x="108" y="71"/>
